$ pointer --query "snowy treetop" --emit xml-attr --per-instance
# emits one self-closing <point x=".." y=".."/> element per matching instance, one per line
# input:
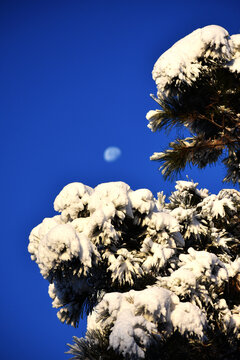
<point x="145" y="269"/>
<point x="186" y="59"/>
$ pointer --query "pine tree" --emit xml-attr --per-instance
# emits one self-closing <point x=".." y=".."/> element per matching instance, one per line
<point x="159" y="280"/>
<point x="198" y="81"/>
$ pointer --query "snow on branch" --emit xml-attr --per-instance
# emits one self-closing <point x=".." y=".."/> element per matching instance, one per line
<point x="198" y="87"/>
<point x="144" y="269"/>
<point x="186" y="59"/>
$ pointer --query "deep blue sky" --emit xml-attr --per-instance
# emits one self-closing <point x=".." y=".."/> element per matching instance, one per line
<point x="75" y="78"/>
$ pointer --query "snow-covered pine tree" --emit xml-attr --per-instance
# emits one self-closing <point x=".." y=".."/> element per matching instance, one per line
<point x="198" y="82"/>
<point x="150" y="274"/>
<point x="158" y="280"/>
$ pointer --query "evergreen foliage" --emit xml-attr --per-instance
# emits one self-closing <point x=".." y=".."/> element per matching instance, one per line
<point x="152" y="275"/>
<point x="200" y="90"/>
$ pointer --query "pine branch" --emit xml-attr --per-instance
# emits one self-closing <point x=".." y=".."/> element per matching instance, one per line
<point x="210" y="109"/>
<point x="190" y="150"/>
<point x="232" y="163"/>
<point x="95" y="346"/>
<point x="173" y="114"/>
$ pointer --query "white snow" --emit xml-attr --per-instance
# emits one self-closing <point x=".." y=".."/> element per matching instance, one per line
<point x="182" y="62"/>
<point x="199" y="277"/>
<point x="124" y="267"/>
<point x="90" y="236"/>
<point x="60" y="244"/>
<point x="234" y="64"/>
<point x="233" y="267"/>
<point x="128" y="330"/>
<point x="110" y="199"/>
<point x="202" y="262"/>
<point x="39" y="232"/>
<point x="228" y="319"/>
<point x="161" y="221"/>
<point x="71" y="200"/>
<point x="213" y="207"/>
<point x="142" y="200"/>
<point x="158" y="255"/>
<point x="189" y="319"/>
<point x="159" y="305"/>
<point x="135" y="315"/>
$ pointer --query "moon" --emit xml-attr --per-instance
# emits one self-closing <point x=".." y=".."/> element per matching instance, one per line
<point x="112" y="153"/>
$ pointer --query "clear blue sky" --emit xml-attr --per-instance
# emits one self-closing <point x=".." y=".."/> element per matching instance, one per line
<point x="75" y="79"/>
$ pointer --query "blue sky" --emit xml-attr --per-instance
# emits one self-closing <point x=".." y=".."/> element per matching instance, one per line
<point x="75" y="79"/>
